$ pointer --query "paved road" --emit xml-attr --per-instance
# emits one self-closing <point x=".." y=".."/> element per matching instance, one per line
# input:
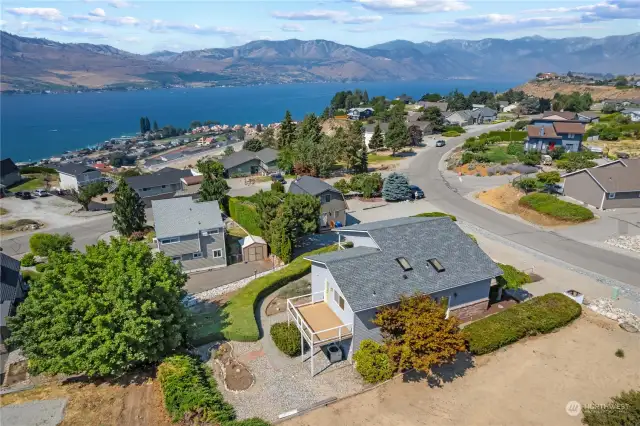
<point x="424" y="171"/>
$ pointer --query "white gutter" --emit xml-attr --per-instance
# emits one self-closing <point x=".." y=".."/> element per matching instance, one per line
<point x="604" y="193"/>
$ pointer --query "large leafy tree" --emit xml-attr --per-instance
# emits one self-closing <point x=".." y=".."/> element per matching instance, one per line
<point x="253" y="145"/>
<point x="214" y="188"/>
<point x="457" y="101"/>
<point x="268" y="139"/>
<point x="287" y="133"/>
<point x="86" y="193"/>
<point x="377" y="140"/>
<point x="43" y="244"/>
<point x="210" y="167"/>
<point x="101" y="313"/>
<point x="417" y="335"/>
<point x="128" y="210"/>
<point x="396" y="188"/>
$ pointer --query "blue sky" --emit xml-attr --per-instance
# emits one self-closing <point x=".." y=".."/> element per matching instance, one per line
<point x="145" y="26"/>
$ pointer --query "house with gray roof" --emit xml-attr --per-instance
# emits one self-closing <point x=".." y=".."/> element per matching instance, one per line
<point x="460" y="118"/>
<point x="333" y="207"/>
<point x="246" y="163"/>
<point x="190" y="233"/>
<point x="9" y="173"/>
<point x="12" y="291"/>
<point x="164" y="183"/>
<point x="483" y="115"/>
<point x="73" y="176"/>
<point x="389" y="259"/>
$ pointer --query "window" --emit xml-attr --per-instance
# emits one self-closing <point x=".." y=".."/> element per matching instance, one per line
<point x="436" y="265"/>
<point x="571" y="135"/>
<point x="170" y="240"/>
<point x="197" y="255"/>
<point x="339" y="300"/>
<point x="612" y="195"/>
<point x="327" y="198"/>
<point x="404" y="263"/>
<point x="217" y="253"/>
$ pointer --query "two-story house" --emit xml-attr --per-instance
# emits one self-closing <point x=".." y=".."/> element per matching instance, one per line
<point x="359" y="113"/>
<point x="73" y="176"/>
<point x="190" y="233"/>
<point x="333" y="207"/>
<point x="246" y="163"/>
<point x="158" y="185"/>
<point x="545" y="136"/>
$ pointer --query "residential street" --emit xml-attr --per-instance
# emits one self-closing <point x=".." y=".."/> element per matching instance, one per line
<point x="423" y="170"/>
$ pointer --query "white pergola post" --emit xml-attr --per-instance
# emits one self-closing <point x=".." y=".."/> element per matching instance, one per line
<point x="312" y="355"/>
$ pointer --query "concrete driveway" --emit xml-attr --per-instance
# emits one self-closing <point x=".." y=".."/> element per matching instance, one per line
<point x="197" y="283"/>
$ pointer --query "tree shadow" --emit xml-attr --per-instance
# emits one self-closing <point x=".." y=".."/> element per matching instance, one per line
<point x="445" y="373"/>
<point x="405" y="154"/>
<point x="136" y="377"/>
<point x="351" y="220"/>
<point x="206" y="322"/>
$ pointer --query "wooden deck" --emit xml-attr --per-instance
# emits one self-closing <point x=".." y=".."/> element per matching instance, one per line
<point x="320" y="317"/>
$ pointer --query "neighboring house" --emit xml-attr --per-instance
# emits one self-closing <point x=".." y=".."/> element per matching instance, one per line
<point x="9" y="173"/>
<point x="510" y="108"/>
<point x="405" y="98"/>
<point x="609" y="186"/>
<point x="389" y="259"/>
<point x="442" y="106"/>
<point x="476" y="106"/>
<point x="546" y="136"/>
<point x="359" y="113"/>
<point x="333" y="207"/>
<point x="12" y="291"/>
<point x="191" y="233"/>
<point x="484" y="115"/>
<point x="460" y="118"/>
<point x="164" y="183"/>
<point x="369" y="129"/>
<point x="559" y="115"/>
<point x="246" y="163"/>
<point x="589" y="117"/>
<point x="502" y="105"/>
<point x="425" y="126"/>
<point x="73" y="176"/>
<point x="633" y="114"/>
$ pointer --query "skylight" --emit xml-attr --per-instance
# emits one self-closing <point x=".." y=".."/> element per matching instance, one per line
<point x="404" y="263"/>
<point x="436" y="265"/>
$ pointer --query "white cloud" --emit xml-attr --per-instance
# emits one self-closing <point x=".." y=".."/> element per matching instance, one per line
<point x="114" y="21"/>
<point x="3" y="22"/>
<point x="495" y="23"/>
<point x="605" y="11"/>
<point x="61" y="30"/>
<point x="98" y="12"/>
<point x="119" y="4"/>
<point x="292" y="28"/>
<point x="45" y="13"/>
<point x="413" y="6"/>
<point x="160" y="26"/>
<point x="338" y="17"/>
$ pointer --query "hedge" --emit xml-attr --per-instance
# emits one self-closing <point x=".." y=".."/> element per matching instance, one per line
<point x="512" y="277"/>
<point x="518" y="136"/>
<point x="239" y="321"/>
<point x="37" y="169"/>
<point x="539" y="315"/>
<point x="450" y="134"/>
<point x="372" y="362"/>
<point x="555" y="207"/>
<point x="286" y="337"/>
<point x="436" y="214"/>
<point x="246" y="215"/>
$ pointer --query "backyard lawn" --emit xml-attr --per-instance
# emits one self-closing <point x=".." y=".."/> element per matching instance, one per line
<point x="377" y="158"/>
<point x="498" y="154"/>
<point x="33" y="182"/>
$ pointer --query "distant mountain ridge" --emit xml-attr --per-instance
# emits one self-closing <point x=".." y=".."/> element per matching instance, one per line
<point x="35" y="63"/>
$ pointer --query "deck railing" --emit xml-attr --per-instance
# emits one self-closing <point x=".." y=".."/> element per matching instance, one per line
<point x="313" y="337"/>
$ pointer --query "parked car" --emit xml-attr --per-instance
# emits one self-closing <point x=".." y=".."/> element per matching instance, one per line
<point x="277" y="177"/>
<point x="440" y="143"/>
<point x="416" y="192"/>
<point x="517" y="294"/>
<point x="24" y="195"/>
<point x="41" y="193"/>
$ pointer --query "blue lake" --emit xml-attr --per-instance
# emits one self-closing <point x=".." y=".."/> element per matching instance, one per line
<point x="39" y="126"/>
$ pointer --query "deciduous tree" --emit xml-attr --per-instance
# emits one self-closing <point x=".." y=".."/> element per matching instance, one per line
<point x="253" y="145"/>
<point x="208" y="166"/>
<point x="43" y="244"/>
<point x="101" y="313"/>
<point x="86" y="193"/>
<point x="128" y="210"/>
<point x="214" y="188"/>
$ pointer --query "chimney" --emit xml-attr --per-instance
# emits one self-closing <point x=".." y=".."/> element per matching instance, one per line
<point x="542" y="131"/>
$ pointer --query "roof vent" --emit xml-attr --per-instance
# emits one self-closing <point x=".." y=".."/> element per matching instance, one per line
<point x="436" y="265"/>
<point x="404" y="263"/>
<point x="405" y="276"/>
<point x="542" y="131"/>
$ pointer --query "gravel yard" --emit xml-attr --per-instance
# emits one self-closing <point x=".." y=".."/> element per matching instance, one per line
<point x="625" y="242"/>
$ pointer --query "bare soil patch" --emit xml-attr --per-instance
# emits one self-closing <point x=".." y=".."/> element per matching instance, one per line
<point x="505" y="198"/>
<point x="631" y="147"/>
<point x="134" y="403"/>
<point x="237" y="376"/>
<point x="527" y="383"/>
<point x="294" y="289"/>
<point x="598" y="93"/>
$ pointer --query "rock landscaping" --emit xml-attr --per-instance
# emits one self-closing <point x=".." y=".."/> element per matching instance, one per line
<point x="236" y="375"/>
<point x="604" y="306"/>
<point x="625" y="242"/>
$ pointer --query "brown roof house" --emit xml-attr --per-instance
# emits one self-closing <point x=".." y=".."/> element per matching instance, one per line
<point x="610" y="186"/>
<point x="546" y="136"/>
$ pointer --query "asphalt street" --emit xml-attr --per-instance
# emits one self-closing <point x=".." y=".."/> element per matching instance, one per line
<point x="424" y="171"/>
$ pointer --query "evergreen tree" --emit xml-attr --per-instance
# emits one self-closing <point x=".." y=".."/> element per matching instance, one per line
<point x="147" y="125"/>
<point x="142" y="126"/>
<point x="457" y="101"/>
<point x="311" y="129"/>
<point x="415" y="135"/>
<point x="435" y="117"/>
<point x="128" y="210"/>
<point x="396" y="188"/>
<point x="377" y="140"/>
<point x="365" y="97"/>
<point x="397" y="136"/>
<point x="155" y="126"/>
<point x="287" y="132"/>
<point x="364" y="159"/>
<point x="354" y="143"/>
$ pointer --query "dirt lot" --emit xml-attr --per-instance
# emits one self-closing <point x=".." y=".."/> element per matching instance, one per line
<point x="528" y="383"/>
<point x="505" y="198"/>
<point x="631" y="147"/>
<point x="135" y="404"/>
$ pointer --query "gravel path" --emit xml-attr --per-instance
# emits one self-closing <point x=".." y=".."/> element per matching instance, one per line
<point x="34" y="413"/>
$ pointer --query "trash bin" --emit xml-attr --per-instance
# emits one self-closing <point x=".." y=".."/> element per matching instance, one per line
<point x="335" y="353"/>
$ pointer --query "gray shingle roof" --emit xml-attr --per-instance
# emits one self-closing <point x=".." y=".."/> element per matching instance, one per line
<point x="9" y="277"/>
<point x="165" y="176"/>
<point x="266" y="155"/>
<point x="183" y="216"/>
<point x="75" y="169"/>
<point x="484" y="112"/>
<point x="370" y="128"/>
<point x="7" y="166"/>
<point x="310" y="185"/>
<point x="370" y="278"/>
<point x="371" y="226"/>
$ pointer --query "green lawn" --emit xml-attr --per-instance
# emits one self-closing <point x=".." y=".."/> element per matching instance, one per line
<point x="30" y="183"/>
<point x="555" y="207"/>
<point x="375" y="158"/>
<point x="498" y="154"/>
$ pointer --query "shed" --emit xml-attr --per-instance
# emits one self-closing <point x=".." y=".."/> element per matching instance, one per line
<point x="254" y="248"/>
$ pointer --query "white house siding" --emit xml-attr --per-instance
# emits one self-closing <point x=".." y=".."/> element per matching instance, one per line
<point x="319" y="275"/>
<point x="68" y="182"/>
<point x="359" y="239"/>
<point x="89" y="177"/>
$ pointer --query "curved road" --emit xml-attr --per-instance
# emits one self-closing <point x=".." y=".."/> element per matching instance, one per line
<point x="424" y="171"/>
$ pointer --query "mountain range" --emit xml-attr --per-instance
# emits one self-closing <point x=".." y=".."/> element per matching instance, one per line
<point x="35" y="64"/>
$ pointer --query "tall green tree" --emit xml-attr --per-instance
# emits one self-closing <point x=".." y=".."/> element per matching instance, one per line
<point x="311" y="129"/>
<point x="253" y="145"/>
<point x="155" y="126"/>
<point x="415" y="135"/>
<point x="268" y="139"/>
<point x="208" y="166"/>
<point x="85" y="194"/>
<point x="365" y="97"/>
<point x="396" y="188"/>
<point x="147" y="124"/>
<point x="143" y="127"/>
<point x="457" y="101"/>
<point x="287" y="133"/>
<point x="435" y="117"/>
<point x="128" y="210"/>
<point x="377" y="140"/>
<point x="102" y="313"/>
<point x="195" y="123"/>
<point x="214" y="188"/>
<point x="431" y="97"/>
<point x="397" y="136"/>
<point x="354" y="146"/>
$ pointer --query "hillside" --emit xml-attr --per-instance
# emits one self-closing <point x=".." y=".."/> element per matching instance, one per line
<point x="546" y="89"/>
<point x="29" y="63"/>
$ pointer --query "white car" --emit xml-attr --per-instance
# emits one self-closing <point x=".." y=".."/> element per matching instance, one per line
<point x="41" y="193"/>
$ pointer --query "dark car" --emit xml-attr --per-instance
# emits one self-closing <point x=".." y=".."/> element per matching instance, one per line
<point x="440" y="143"/>
<point x="416" y="193"/>
<point x="517" y="294"/>
<point x="277" y="177"/>
<point x="24" y="195"/>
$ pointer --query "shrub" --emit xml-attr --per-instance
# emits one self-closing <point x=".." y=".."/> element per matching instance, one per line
<point x="30" y="276"/>
<point x="342" y="185"/>
<point x="254" y="421"/>
<point x="190" y="392"/>
<point x="515" y="148"/>
<point x="286" y="338"/>
<point x="521" y="124"/>
<point x="43" y="244"/>
<point x="369" y="184"/>
<point x="473" y="238"/>
<point x="526" y="184"/>
<point x="552" y="206"/>
<point x="482" y="158"/>
<point x="623" y="410"/>
<point x="137" y="236"/>
<point x="277" y="186"/>
<point x="512" y="277"/>
<point x="531" y="158"/>
<point x="28" y="259"/>
<point x="467" y="157"/>
<point x="41" y="267"/>
<point x="620" y="353"/>
<point x="436" y="214"/>
<point x="475" y="145"/>
<point x="450" y="134"/>
<point x="539" y="315"/>
<point x="246" y="215"/>
<point x="239" y="313"/>
<point x="454" y="128"/>
<point x="372" y="362"/>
